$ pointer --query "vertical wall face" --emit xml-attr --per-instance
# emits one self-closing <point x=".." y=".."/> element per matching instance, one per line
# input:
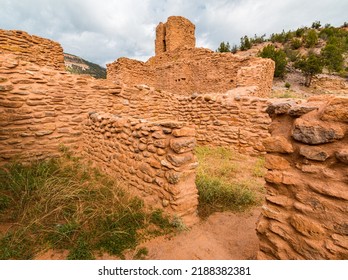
<point x="305" y="214"/>
<point x="42" y="108"/>
<point x="179" y="32"/>
<point x="237" y="122"/>
<point x="41" y="51"/>
<point x="154" y="158"/>
<point x="196" y="70"/>
<point x="176" y="32"/>
<point x="160" y="41"/>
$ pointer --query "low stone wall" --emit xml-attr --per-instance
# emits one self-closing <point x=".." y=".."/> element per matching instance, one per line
<point x="155" y="158"/>
<point x="42" y="108"/>
<point x="305" y="213"/>
<point x="233" y="120"/>
<point x="41" y="51"/>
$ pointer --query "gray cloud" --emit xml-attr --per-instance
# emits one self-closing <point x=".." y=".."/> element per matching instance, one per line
<point x="104" y="30"/>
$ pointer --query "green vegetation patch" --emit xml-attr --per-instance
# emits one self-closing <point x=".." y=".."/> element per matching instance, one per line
<point x="65" y="204"/>
<point x="220" y="184"/>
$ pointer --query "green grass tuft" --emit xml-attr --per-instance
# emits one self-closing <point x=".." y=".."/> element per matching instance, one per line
<point x="220" y="182"/>
<point x="65" y="204"/>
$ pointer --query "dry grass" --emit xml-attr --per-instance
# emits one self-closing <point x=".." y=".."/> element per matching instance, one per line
<point x="227" y="180"/>
<point x="64" y="204"/>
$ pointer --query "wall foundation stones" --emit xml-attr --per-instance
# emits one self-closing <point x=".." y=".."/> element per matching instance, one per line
<point x="305" y="212"/>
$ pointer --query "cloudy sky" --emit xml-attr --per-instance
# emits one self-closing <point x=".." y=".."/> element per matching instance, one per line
<point x="103" y="30"/>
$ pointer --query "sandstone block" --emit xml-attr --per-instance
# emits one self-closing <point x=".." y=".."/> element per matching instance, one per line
<point x="342" y="155"/>
<point x="333" y="189"/>
<point x="160" y="143"/>
<point x="275" y="177"/>
<point x="302" y="109"/>
<point x="154" y="163"/>
<point x="11" y="104"/>
<point x="179" y="160"/>
<point x="276" y="162"/>
<point x="306" y="226"/>
<point x="43" y="132"/>
<point x="314" y="132"/>
<point x="313" y="153"/>
<point x="279" y="108"/>
<point x="336" y="110"/>
<point x="340" y="240"/>
<point x="158" y="135"/>
<point x="172" y="177"/>
<point x="8" y="87"/>
<point x="185" y="131"/>
<point x="183" y="145"/>
<point x="278" y="144"/>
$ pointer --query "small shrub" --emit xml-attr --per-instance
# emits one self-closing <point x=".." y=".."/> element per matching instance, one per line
<point x="234" y="49"/>
<point x="245" y="43"/>
<point x="316" y="24"/>
<point x="296" y="44"/>
<point x="287" y="85"/>
<point x="224" y="47"/>
<point x="311" y="39"/>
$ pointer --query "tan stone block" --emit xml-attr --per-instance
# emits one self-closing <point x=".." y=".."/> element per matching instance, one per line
<point x="278" y="144"/>
<point x="183" y="144"/>
<point x="276" y="162"/>
<point x="336" y="110"/>
<point x="275" y="177"/>
<point x="307" y="227"/>
<point x="179" y="160"/>
<point x="11" y="104"/>
<point x="314" y="153"/>
<point x="185" y="131"/>
<point x="154" y="163"/>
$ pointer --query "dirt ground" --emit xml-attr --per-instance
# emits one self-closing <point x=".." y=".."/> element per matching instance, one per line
<point x="223" y="236"/>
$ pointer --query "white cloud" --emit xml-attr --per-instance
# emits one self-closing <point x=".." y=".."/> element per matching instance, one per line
<point x="104" y="30"/>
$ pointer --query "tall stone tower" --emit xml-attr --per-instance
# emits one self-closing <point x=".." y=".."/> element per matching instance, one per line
<point x="176" y="32"/>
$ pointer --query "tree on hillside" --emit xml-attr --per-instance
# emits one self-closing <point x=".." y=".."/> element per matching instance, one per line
<point x="245" y="43"/>
<point x="224" y="47"/>
<point x="333" y="57"/>
<point x="316" y="24"/>
<point x="310" y="66"/>
<point x="278" y="56"/>
<point x="311" y="39"/>
<point x="234" y="49"/>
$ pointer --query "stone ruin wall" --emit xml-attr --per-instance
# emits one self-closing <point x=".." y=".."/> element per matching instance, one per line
<point x="41" y="51"/>
<point x="305" y="213"/>
<point x="155" y="158"/>
<point x="176" y="32"/>
<point x="229" y="120"/>
<point x="181" y="68"/>
<point x="42" y="109"/>
<point x="196" y="70"/>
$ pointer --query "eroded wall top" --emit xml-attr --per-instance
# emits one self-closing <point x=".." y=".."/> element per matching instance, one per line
<point x="41" y="51"/>
<point x="176" y="32"/>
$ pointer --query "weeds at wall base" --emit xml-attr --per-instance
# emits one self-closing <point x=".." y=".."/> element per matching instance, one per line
<point x="65" y="205"/>
<point x="220" y="186"/>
